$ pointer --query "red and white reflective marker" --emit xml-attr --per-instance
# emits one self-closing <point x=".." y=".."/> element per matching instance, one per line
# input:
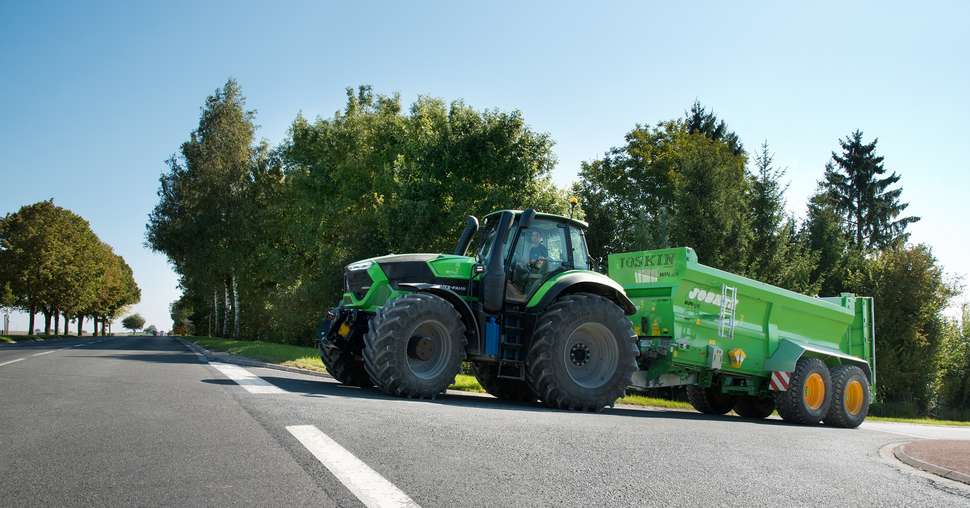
<point x="779" y="381"/>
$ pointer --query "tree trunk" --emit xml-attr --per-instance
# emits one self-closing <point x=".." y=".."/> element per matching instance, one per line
<point x="67" y="325"/>
<point x="214" y="327"/>
<point x="33" y="310"/>
<point x="235" y="307"/>
<point x="47" y="322"/>
<point x="57" y="320"/>
<point x="94" y="323"/>
<point x="80" y="325"/>
<point x="225" y="312"/>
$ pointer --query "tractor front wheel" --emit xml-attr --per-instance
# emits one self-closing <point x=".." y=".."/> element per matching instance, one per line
<point x="414" y="346"/>
<point x="583" y="353"/>
<point x="344" y="365"/>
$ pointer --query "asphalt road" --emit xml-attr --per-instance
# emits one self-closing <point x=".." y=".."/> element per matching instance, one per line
<point x="142" y="421"/>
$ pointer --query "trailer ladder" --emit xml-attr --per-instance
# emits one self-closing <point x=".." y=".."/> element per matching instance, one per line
<point x="729" y="303"/>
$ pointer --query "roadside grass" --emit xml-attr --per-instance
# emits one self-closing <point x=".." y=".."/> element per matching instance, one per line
<point x="7" y="340"/>
<point x="281" y="354"/>
<point x="919" y="421"/>
<point x="309" y="358"/>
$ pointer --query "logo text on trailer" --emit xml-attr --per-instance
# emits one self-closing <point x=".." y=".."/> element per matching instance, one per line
<point x="703" y="296"/>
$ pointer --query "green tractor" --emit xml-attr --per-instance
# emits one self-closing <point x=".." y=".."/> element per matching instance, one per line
<point x="525" y="309"/>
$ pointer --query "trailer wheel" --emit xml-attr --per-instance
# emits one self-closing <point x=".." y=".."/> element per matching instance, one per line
<point x="809" y="393"/>
<point x="710" y="400"/>
<point x="503" y="389"/>
<point x="850" y="397"/>
<point x="583" y="353"/>
<point x="749" y="406"/>
<point x="414" y="346"/>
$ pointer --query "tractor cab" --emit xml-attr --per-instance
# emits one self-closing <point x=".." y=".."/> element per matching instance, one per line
<point x="535" y="248"/>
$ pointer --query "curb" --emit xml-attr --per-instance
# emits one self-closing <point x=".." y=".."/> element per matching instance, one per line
<point x="248" y="362"/>
<point x="900" y="453"/>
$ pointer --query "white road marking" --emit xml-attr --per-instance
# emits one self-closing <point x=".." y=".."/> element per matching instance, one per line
<point x="251" y="382"/>
<point x="12" y="361"/>
<point x="918" y="431"/>
<point x="368" y="485"/>
<point x="44" y="353"/>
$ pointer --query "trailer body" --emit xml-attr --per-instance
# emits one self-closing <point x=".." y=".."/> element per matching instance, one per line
<point x="696" y="325"/>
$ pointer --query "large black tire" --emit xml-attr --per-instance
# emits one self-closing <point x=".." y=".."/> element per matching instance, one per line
<point x="710" y="400"/>
<point x="749" y="406"/>
<point x="344" y="366"/>
<point x="503" y="389"/>
<point x="803" y="402"/>
<point x="583" y="353"/>
<point x="414" y="346"/>
<point x="850" y="397"/>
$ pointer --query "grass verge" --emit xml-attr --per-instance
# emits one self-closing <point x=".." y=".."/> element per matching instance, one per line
<point x="919" y="421"/>
<point x="281" y="354"/>
<point x="6" y="340"/>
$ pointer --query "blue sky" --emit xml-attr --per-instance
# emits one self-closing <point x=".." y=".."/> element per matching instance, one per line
<point x="95" y="96"/>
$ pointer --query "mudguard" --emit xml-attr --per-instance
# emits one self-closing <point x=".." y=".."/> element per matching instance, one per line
<point x="789" y="351"/>
<point x="581" y="281"/>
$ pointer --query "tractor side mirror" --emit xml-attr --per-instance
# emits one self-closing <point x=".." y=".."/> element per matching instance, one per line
<point x="525" y="221"/>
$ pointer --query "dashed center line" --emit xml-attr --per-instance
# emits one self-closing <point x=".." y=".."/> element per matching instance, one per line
<point x="12" y="361"/>
<point x="251" y="382"/>
<point x="368" y="485"/>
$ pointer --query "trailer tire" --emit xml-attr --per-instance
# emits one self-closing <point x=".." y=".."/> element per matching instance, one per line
<point x="710" y="400"/>
<point x="583" y="353"/>
<point x="513" y="390"/>
<point x="809" y="393"/>
<point x="750" y="406"/>
<point x="414" y="346"/>
<point x="850" y="397"/>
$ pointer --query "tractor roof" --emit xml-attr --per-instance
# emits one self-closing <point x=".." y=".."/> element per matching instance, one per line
<point x="547" y="216"/>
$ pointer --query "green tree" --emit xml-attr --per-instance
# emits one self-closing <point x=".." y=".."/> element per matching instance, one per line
<point x="910" y="293"/>
<point x="200" y="219"/>
<point x="777" y="257"/>
<point x="699" y="120"/>
<point x="953" y="382"/>
<point x="870" y="209"/>
<point x="133" y="322"/>
<point x="665" y="187"/>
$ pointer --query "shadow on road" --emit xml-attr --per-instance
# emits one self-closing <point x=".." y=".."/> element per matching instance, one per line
<point x="164" y="350"/>
<point x="328" y="388"/>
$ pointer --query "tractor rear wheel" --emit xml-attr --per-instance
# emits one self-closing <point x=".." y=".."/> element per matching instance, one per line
<point x="503" y="389"/>
<point x="710" y="400"/>
<point x="583" y="353"/>
<point x="414" y="346"/>
<point x="749" y="406"/>
<point x="850" y="397"/>
<point x="809" y="393"/>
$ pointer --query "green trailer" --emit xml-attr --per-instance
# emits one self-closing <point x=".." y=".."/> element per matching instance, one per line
<point x="740" y="344"/>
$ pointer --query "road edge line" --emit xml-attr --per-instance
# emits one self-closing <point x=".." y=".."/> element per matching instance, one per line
<point x="245" y="362"/>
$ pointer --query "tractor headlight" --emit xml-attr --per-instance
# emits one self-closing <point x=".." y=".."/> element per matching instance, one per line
<point x="360" y="265"/>
<point x="356" y="278"/>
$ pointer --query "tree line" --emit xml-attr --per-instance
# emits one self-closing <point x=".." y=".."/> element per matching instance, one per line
<point x="52" y="263"/>
<point x="259" y="234"/>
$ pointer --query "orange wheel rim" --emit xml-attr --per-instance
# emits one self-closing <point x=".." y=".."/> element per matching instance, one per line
<point x="814" y="393"/>
<point x="854" y="397"/>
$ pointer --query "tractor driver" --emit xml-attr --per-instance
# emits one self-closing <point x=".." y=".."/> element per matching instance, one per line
<point x="537" y="251"/>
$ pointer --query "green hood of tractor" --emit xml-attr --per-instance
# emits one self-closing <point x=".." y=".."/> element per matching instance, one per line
<point x="370" y="282"/>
